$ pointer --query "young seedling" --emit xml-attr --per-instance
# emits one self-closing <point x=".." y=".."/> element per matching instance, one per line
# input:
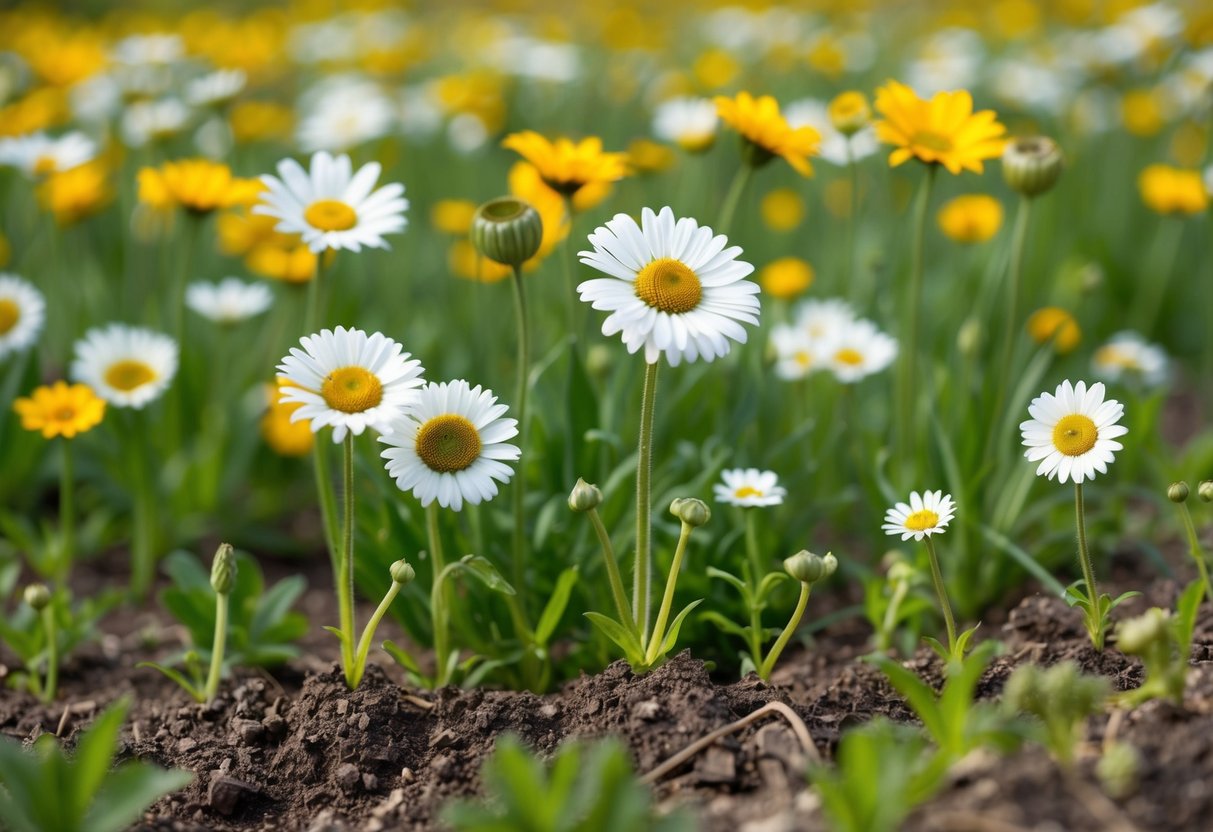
<point x="1060" y="698"/>
<point x="888" y="602"/>
<point x="46" y="790"/>
<point x="808" y="569"/>
<point x="1178" y="494"/>
<point x="1119" y="770"/>
<point x="39" y="599"/>
<point x="1163" y="642"/>
<point x="44" y="630"/>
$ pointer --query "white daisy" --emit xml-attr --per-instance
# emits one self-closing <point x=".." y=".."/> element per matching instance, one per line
<point x="689" y="123"/>
<point x="1073" y="431"/>
<point x="749" y="487"/>
<point x="144" y="122"/>
<point x="674" y="287"/>
<point x="332" y="207"/>
<point x="343" y="112"/>
<point x="796" y="353"/>
<point x="215" y="88"/>
<point x="823" y="319"/>
<point x="809" y="112"/>
<point x="127" y="366"/>
<point x="1127" y="355"/>
<point x="22" y="314"/>
<point x="39" y="154"/>
<point x="450" y="445"/>
<point x="229" y="301"/>
<point x="349" y="380"/>
<point x="857" y="350"/>
<point x="925" y="515"/>
<point x="161" y="49"/>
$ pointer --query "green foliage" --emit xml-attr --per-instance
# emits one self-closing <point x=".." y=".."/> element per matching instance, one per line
<point x="891" y="605"/>
<point x="75" y="623"/>
<point x="584" y="788"/>
<point x="43" y="789"/>
<point x="1060" y="698"/>
<point x="1163" y="642"/>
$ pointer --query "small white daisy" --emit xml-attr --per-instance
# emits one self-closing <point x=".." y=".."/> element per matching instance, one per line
<point x="156" y="49"/>
<point x="1127" y="355"/>
<point x="40" y="155"/>
<point x="796" y="354"/>
<point x="332" y="207"/>
<point x="229" y="301"/>
<point x="823" y="319"/>
<point x="925" y="515"/>
<point x="349" y="380"/>
<point x="215" y="88"/>
<point x="749" y="487"/>
<point x="857" y="350"/>
<point x="343" y="112"/>
<point x="674" y="287"/>
<point x="22" y="314"/>
<point x="834" y="145"/>
<point x="689" y="123"/>
<point x="127" y="366"/>
<point x="144" y="122"/>
<point x="1073" y="432"/>
<point x="451" y="446"/>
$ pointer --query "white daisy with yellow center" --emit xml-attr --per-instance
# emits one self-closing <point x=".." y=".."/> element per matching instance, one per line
<point x="38" y="154"/>
<point x="332" y="207"/>
<point x="1128" y="357"/>
<point x="22" y="314"/>
<point x="674" y="287"/>
<point x="127" y="366"/>
<point x="689" y="123"/>
<point x="229" y="301"/>
<point x="796" y="354"/>
<point x="348" y="380"/>
<point x="749" y="487"/>
<point x="857" y="350"/>
<point x="1073" y="432"/>
<point x="926" y="514"/>
<point x="451" y="445"/>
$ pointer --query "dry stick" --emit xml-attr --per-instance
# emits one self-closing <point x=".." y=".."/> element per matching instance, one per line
<point x="798" y="728"/>
<point x="423" y="704"/>
<point x="971" y="822"/>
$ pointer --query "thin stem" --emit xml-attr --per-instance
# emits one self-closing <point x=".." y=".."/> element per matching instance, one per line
<point x="52" y="653"/>
<point x="520" y="402"/>
<point x="1094" y="618"/>
<point x="667" y="600"/>
<point x="368" y="632"/>
<point x="644" y="508"/>
<point x="328" y="500"/>
<point x="1194" y="547"/>
<point x="1014" y="277"/>
<point x="907" y="423"/>
<point x="768" y="664"/>
<point x="1150" y="293"/>
<point x="942" y="591"/>
<point x="67" y="515"/>
<point x="216" y="671"/>
<point x="731" y="200"/>
<point x="570" y="285"/>
<point x="345" y="575"/>
<point x="612" y="566"/>
<point x="751" y="549"/>
<point x="143" y="542"/>
<point x="438" y="610"/>
<point x="852" y="282"/>
<point x="889" y="622"/>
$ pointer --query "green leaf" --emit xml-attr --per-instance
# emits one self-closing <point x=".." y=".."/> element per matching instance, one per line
<point x="1025" y="560"/>
<point x="1186" y="609"/>
<point x="623" y="636"/>
<point x="21" y="777"/>
<point x="671" y="636"/>
<point x="729" y="577"/>
<point x="919" y="695"/>
<point x="94" y="753"/>
<point x="180" y="678"/>
<point x="554" y="609"/>
<point x="128" y="792"/>
<point x="401" y="657"/>
<point x="724" y="624"/>
<point x="480" y="568"/>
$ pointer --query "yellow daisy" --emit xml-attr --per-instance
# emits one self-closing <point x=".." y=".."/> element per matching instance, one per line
<point x="60" y="409"/>
<point x="767" y="133"/>
<point x="943" y="130"/>
<point x="567" y="166"/>
<point x="198" y="185"/>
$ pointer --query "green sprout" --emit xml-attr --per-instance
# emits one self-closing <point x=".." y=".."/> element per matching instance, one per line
<point x="1163" y="642"/>
<point x="1178" y="494"/>
<point x="888" y="601"/>
<point x="38" y="597"/>
<point x="1060" y="698"/>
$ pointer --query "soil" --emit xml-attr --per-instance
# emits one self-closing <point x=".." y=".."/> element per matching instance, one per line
<point x="296" y="750"/>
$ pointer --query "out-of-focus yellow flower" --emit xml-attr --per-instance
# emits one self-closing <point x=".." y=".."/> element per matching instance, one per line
<point x="258" y="121"/>
<point x="1168" y="190"/>
<point x="285" y="437"/>
<point x="453" y="216"/>
<point x="253" y="43"/>
<point x="41" y="109"/>
<point x="266" y="252"/>
<point x="767" y="133"/>
<point x="827" y="56"/>
<point x="73" y="195"/>
<point x="1015" y="18"/>
<point x="198" y="185"/>
<point x="786" y="277"/>
<point x="524" y="182"/>
<point x="1188" y="144"/>
<point x="647" y="157"/>
<point x="464" y="261"/>
<point x="239" y="232"/>
<point x="971" y="218"/>
<point x="943" y="130"/>
<point x="62" y="58"/>
<point x="60" y="410"/>
<point x="782" y="209"/>
<point x="849" y="112"/>
<point x="715" y="68"/>
<point x="1142" y="112"/>
<point x="1056" y="325"/>
<point x="288" y="263"/>
<point x="565" y="166"/>
<point x="480" y="93"/>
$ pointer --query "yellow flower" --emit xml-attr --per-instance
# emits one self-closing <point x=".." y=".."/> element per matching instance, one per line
<point x="766" y="132"/>
<point x="646" y="156"/>
<point x="464" y="261"/>
<point x="849" y="112"/>
<point x="782" y="209"/>
<point x="1141" y="111"/>
<point x="786" y="277"/>
<point x="76" y="194"/>
<point x="258" y="121"/>
<point x="524" y="183"/>
<point x="285" y="437"/>
<point x="61" y="410"/>
<point x="943" y="130"/>
<point x="971" y="218"/>
<point x="565" y="166"/>
<point x="290" y="263"/>
<point x="1168" y="190"/>
<point x="39" y="110"/>
<point x="827" y="57"/>
<point x="198" y="185"/>
<point x="453" y="216"/>
<point x="63" y="58"/>
<point x="716" y="68"/>
<point x="1056" y="325"/>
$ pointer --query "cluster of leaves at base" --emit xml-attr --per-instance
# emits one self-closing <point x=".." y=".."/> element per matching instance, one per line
<point x="587" y="788"/>
<point x="45" y="790"/>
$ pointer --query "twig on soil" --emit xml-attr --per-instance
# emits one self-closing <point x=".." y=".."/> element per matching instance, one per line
<point x="423" y="704"/>
<point x="1113" y="729"/>
<point x="798" y="728"/>
<point x="75" y="708"/>
<point x="972" y="822"/>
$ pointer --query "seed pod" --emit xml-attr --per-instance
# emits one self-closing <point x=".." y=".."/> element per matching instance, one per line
<point x="1178" y="492"/>
<point x="402" y="573"/>
<point x="584" y="496"/>
<point x="1205" y="491"/>
<point x="223" y="569"/>
<point x="809" y="568"/>
<point x="691" y="511"/>
<point x="507" y="230"/>
<point x="1032" y="165"/>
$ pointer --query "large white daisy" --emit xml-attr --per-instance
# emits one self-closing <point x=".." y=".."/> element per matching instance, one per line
<point x="348" y="380"/>
<point x="40" y="155"/>
<point x="330" y="206"/>
<point x="229" y="301"/>
<point x="22" y="314"/>
<point x="749" y="487"/>
<point x="1073" y="432"/>
<point x="127" y="366"/>
<point x="674" y="287"/>
<point x="926" y="514"/>
<point x="451" y="445"/>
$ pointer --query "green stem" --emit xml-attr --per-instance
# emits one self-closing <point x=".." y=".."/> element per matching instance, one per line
<point x="143" y="541"/>
<point x="438" y="610"/>
<point x="906" y="420"/>
<point x="520" y="402"/>
<point x="612" y="567"/>
<point x="216" y="671"/>
<point x="67" y="515"/>
<point x="1019" y="238"/>
<point x="52" y="653"/>
<point x="644" y="508"/>
<point x="1095" y="624"/>
<point x="328" y="499"/>
<point x="570" y="284"/>
<point x="733" y="198"/>
<point x="751" y="549"/>
<point x="667" y="600"/>
<point x="311" y="318"/>
<point x="942" y="591"/>
<point x="885" y="637"/>
<point x="1151" y="292"/>
<point x="345" y="572"/>
<point x="1194" y="547"/>
<point x="768" y="664"/>
<point x="756" y="631"/>
<point x="368" y="632"/>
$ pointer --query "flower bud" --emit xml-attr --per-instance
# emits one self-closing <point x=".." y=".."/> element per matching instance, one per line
<point x="1119" y="770"/>
<point x="900" y="572"/>
<point x="507" y="230"/>
<point x="1032" y="165"/>
<point x="223" y="569"/>
<point x="1205" y="491"/>
<point x="1178" y="492"/>
<point x="849" y="112"/>
<point x="37" y="596"/>
<point x="1137" y="635"/>
<point x="809" y="568"/>
<point x="691" y="511"/>
<point x="402" y="573"/>
<point x="584" y="496"/>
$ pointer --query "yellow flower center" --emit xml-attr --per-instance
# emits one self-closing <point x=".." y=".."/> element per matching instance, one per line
<point x="804" y="358"/>
<point x="330" y="215"/>
<point x="351" y="389"/>
<point x="448" y="443"/>
<point x="44" y="165"/>
<point x="10" y="314"/>
<point x="922" y="520"/>
<point x="932" y="141"/>
<point x="67" y="413"/>
<point x="1110" y="356"/>
<point x="848" y="356"/>
<point x="128" y="375"/>
<point x="747" y="491"/>
<point x="1075" y="434"/>
<point x="667" y="284"/>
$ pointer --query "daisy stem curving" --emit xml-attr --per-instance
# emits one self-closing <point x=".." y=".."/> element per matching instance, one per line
<point x="345" y="574"/>
<point x="368" y="632"/>
<point x="667" y="600"/>
<point x="905" y="418"/>
<point x="1095" y="623"/>
<point x="942" y="591"/>
<point x="67" y="515"/>
<point x="612" y="567"/>
<point x="437" y="595"/>
<point x="644" y="507"/>
<point x="1194" y="547"/>
<point x="520" y="401"/>
<point x="768" y="664"/>
<point x="217" y="648"/>
<point x="731" y="200"/>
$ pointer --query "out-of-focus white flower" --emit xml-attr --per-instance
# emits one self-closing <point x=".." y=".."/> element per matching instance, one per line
<point x="148" y="121"/>
<point x="139" y="50"/>
<point x="38" y="154"/>
<point x="216" y="88"/>
<point x="947" y="57"/>
<point x="1128" y="356"/>
<point x="539" y="59"/>
<point x="467" y="133"/>
<point x="809" y="112"/>
<point x="342" y="113"/>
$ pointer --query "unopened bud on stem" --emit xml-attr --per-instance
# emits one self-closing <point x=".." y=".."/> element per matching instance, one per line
<point x="584" y="496"/>
<point x="402" y="573"/>
<point x="223" y="569"/>
<point x="691" y="511"/>
<point x="809" y="568"/>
